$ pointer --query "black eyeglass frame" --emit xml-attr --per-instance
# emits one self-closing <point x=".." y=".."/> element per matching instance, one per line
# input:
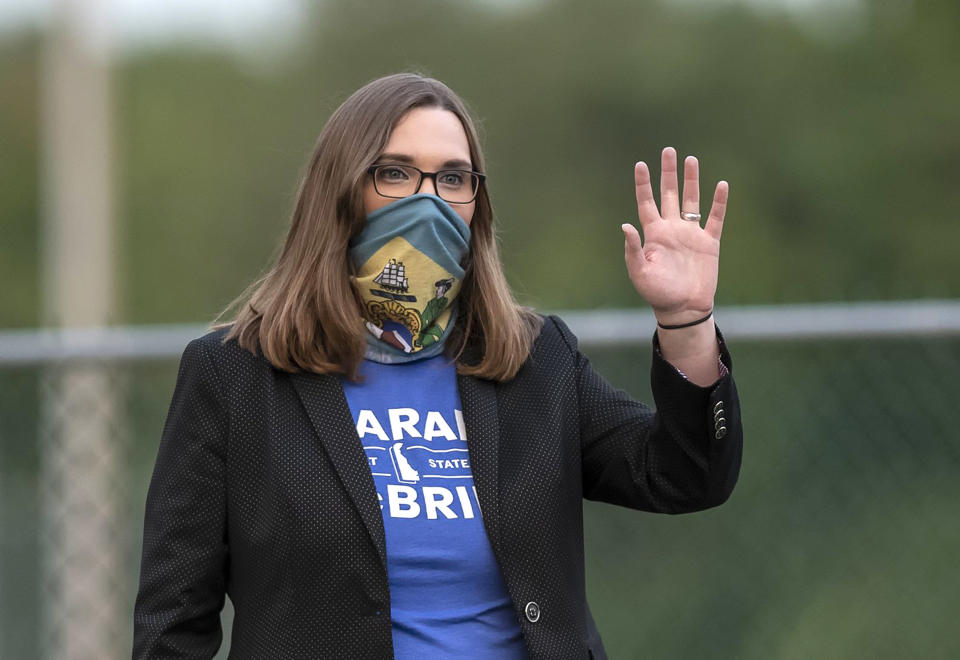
<point x="426" y="175"/>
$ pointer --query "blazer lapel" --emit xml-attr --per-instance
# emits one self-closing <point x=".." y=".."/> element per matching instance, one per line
<point x="479" y="401"/>
<point x="327" y="407"/>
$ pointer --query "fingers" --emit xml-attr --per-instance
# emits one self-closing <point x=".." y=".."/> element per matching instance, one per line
<point x="669" y="193"/>
<point x="714" y="225"/>
<point x="646" y="204"/>
<point x="691" y="185"/>
<point x="670" y="205"/>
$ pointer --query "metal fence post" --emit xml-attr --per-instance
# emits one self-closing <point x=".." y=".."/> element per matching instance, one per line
<point x="81" y="493"/>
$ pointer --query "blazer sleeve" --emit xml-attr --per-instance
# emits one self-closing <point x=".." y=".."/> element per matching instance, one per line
<point x="683" y="456"/>
<point x="183" y="568"/>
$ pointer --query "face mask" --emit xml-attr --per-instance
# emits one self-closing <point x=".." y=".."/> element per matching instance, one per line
<point x="407" y="266"/>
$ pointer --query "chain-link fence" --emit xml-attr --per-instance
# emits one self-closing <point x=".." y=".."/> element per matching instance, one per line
<point x="838" y="542"/>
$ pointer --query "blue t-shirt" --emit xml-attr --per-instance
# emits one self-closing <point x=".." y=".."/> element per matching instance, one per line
<point x="448" y="599"/>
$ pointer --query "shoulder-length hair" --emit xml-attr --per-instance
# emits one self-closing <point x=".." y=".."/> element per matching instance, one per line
<point x="305" y="313"/>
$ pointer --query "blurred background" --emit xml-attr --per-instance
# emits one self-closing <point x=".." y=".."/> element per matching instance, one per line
<point x="149" y="155"/>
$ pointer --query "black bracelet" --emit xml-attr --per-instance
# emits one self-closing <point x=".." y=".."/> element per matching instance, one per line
<point x="685" y="325"/>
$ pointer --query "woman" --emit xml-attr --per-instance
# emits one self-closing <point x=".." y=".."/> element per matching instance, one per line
<point x="383" y="455"/>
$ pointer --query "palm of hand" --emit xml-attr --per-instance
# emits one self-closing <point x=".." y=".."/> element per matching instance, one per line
<point x="675" y="267"/>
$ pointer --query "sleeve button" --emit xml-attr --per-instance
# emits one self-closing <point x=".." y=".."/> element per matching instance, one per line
<point x="721" y="432"/>
<point x="532" y="610"/>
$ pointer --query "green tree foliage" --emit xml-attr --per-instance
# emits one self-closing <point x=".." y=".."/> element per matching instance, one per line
<point x="837" y="132"/>
<point x="19" y="184"/>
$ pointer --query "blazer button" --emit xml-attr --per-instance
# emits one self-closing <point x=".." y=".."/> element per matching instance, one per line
<point x="721" y="432"/>
<point x="532" y="610"/>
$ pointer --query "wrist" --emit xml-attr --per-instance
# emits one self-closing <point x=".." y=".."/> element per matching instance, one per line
<point x="674" y="325"/>
<point x="693" y="342"/>
<point x="682" y="318"/>
<point x="693" y="351"/>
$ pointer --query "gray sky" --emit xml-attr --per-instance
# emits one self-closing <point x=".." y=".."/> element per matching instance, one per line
<point x="132" y="24"/>
<point x="129" y="24"/>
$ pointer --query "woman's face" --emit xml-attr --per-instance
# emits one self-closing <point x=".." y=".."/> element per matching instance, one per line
<point x="430" y="139"/>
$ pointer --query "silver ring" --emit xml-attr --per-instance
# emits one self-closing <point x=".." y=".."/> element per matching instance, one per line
<point x="686" y="215"/>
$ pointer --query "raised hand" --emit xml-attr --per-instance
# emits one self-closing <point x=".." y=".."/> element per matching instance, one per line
<point x="674" y="268"/>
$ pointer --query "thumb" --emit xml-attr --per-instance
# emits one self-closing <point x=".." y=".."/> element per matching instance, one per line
<point x="632" y="245"/>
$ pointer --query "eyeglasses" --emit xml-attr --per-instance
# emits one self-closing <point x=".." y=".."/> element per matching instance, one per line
<point x="453" y="186"/>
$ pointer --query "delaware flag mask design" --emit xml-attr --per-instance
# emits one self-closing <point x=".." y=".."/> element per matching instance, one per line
<point x="407" y="269"/>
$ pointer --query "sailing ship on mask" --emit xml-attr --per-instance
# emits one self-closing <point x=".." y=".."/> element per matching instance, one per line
<point x="393" y="278"/>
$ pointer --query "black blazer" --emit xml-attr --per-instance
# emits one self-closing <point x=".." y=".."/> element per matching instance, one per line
<point x="261" y="490"/>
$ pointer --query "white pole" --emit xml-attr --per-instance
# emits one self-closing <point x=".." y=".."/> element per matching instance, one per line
<point x="81" y="559"/>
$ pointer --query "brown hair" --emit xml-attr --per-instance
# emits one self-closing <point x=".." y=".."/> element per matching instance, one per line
<point x="305" y="312"/>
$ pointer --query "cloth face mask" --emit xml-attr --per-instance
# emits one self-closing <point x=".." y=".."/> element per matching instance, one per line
<point x="407" y="269"/>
